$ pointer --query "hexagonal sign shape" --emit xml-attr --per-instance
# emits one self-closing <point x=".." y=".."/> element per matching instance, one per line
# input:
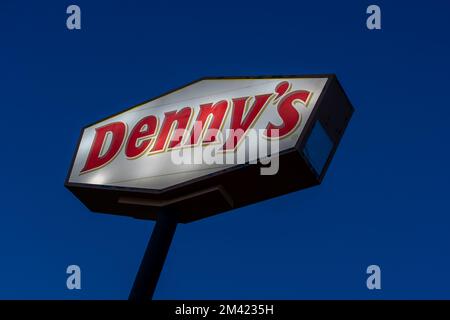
<point x="213" y="145"/>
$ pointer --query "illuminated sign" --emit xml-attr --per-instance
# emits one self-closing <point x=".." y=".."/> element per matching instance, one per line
<point x="211" y="146"/>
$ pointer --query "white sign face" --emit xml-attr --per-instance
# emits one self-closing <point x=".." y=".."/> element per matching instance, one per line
<point x="151" y="145"/>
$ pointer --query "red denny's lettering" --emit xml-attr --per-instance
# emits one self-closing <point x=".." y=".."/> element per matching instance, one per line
<point x="151" y="135"/>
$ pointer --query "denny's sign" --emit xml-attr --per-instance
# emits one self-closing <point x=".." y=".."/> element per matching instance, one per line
<point x="181" y="149"/>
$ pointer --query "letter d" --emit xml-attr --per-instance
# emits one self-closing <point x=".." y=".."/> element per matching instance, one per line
<point x="100" y="154"/>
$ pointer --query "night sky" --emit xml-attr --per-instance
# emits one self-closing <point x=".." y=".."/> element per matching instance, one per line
<point x="384" y="199"/>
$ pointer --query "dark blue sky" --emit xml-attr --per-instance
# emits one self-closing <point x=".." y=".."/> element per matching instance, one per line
<point x="384" y="200"/>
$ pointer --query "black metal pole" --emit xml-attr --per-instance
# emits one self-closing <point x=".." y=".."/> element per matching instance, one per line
<point x="154" y="257"/>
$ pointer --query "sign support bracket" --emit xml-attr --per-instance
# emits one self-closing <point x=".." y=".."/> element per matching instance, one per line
<point x="154" y="257"/>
